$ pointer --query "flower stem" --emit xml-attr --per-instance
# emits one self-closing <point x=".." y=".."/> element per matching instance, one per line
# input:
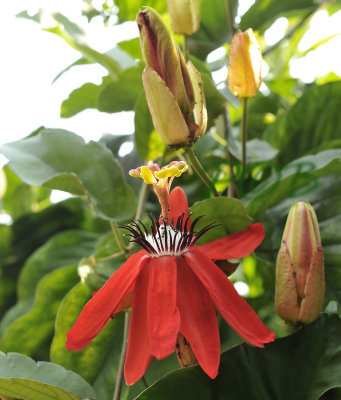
<point x="243" y="129"/>
<point x="119" y="379"/>
<point x="185" y="48"/>
<point x="198" y="168"/>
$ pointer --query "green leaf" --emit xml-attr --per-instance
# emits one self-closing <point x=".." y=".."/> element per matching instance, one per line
<point x="97" y="363"/>
<point x="82" y="98"/>
<point x="264" y="12"/>
<point x="62" y="160"/>
<point x="149" y="146"/>
<point x="300" y="366"/>
<point x="290" y="179"/>
<point x="314" y="119"/>
<point x="64" y="249"/>
<point x="214" y="28"/>
<point x="31" y="331"/>
<point x="118" y="54"/>
<point x="128" y="9"/>
<point x="229" y="213"/>
<point x="22" y="377"/>
<point x="121" y="95"/>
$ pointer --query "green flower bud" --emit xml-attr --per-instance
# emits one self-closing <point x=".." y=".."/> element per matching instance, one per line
<point x="184" y="15"/>
<point x="174" y="89"/>
<point x="300" y="267"/>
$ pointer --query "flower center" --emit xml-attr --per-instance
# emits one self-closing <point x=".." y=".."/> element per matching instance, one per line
<point x="165" y="238"/>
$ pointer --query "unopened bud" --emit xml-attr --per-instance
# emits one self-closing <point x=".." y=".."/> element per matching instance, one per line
<point x="244" y="72"/>
<point x="184" y="16"/>
<point x="300" y="267"/>
<point x="174" y="89"/>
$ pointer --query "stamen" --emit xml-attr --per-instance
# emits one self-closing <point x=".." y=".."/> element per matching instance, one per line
<point x="164" y="238"/>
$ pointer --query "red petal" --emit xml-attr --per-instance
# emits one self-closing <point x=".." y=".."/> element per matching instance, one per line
<point x="138" y="357"/>
<point x="126" y="302"/>
<point x="178" y="205"/>
<point x="99" y="309"/>
<point x="237" y="245"/>
<point x="198" y="319"/>
<point x="163" y="314"/>
<point x="233" y="308"/>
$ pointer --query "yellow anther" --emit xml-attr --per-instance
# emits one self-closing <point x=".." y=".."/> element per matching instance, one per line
<point x="146" y="175"/>
<point x="173" y="170"/>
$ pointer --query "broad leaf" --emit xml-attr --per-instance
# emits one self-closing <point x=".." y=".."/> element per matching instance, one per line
<point x="229" y="214"/>
<point x="314" y="119"/>
<point x="264" y="12"/>
<point x="129" y="9"/>
<point x="31" y="331"/>
<point x="64" y="249"/>
<point x="23" y="378"/>
<point x="290" y="179"/>
<point x="62" y="160"/>
<point x="98" y="362"/>
<point x="300" y="366"/>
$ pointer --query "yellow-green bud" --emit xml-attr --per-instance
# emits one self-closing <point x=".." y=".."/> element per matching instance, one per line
<point x="184" y="16"/>
<point x="244" y="72"/>
<point x="300" y="267"/>
<point x="174" y="89"/>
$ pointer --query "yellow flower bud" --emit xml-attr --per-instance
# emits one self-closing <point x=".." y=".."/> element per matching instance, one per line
<point x="244" y="72"/>
<point x="300" y="267"/>
<point x="174" y="90"/>
<point x="184" y="15"/>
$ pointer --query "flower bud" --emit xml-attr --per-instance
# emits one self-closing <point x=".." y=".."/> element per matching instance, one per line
<point x="174" y="89"/>
<point x="300" y="267"/>
<point x="244" y="72"/>
<point x="184" y="15"/>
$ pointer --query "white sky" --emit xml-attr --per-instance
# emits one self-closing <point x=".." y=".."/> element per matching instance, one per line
<point x="31" y="58"/>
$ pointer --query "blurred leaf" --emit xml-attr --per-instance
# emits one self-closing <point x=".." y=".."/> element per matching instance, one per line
<point x="214" y="99"/>
<point x="64" y="249"/>
<point x="291" y="178"/>
<point x="98" y="362"/>
<point x="149" y="146"/>
<point x="21" y="198"/>
<point x="116" y="53"/>
<point x="127" y="10"/>
<point x="82" y="98"/>
<point x="121" y="95"/>
<point x="62" y="160"/>
<point x="229" y="213"/>
<point x="300" y="366"/>
<point x="132" y="47"/>
<point x="265" y="12"/>
<point x="214" y="28"/>
<point x="75" y="37"/>
<point x="31" y="331"/>
<point x="20" y="376"/>
<point x="314" y="119"/>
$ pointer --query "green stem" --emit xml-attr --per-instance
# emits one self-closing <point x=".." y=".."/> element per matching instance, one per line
<point x="185" y="48"/>
<point x="118" y="237"/>
<point x="119" y="379"/>
<point x="198" y="168"/>
<point x="139" y="211"/>
<point x="243" y="129"/>
<point x="230" y="17"/>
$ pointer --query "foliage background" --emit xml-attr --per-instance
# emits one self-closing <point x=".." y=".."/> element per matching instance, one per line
<point x="52" y="256"/>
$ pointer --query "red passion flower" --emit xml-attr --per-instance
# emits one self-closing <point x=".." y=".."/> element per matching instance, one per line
<point x="174" y="287"/>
